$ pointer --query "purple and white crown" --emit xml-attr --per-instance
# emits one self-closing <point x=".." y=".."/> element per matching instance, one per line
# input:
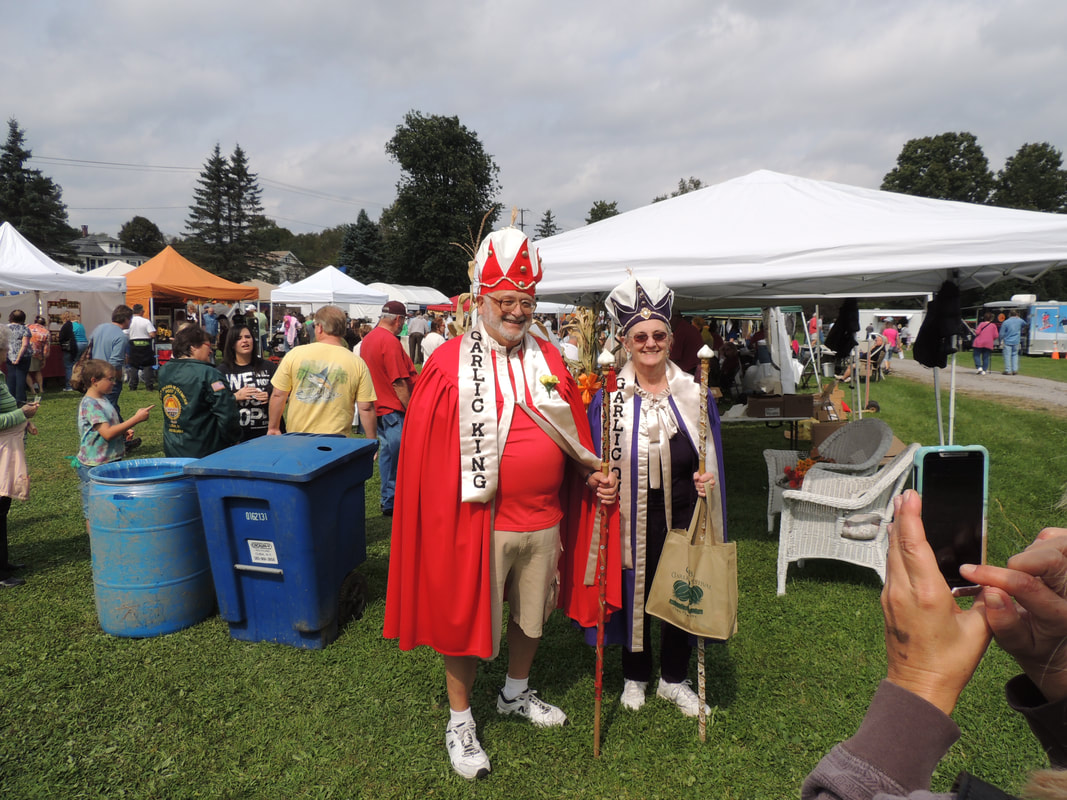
<point x="631" y="302"/>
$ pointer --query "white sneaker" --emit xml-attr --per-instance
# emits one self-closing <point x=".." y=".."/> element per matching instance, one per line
<point x="633" y="694"/>
<point x="468" y="758"/>
<point x="683" y="696"/>
<point x="533" y="708"/>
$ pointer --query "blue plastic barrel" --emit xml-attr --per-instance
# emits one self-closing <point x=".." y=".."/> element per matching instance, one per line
<point x="151" y="573"/>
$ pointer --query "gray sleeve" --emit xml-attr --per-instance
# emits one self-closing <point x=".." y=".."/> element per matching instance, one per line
<point x="893" y="754"/>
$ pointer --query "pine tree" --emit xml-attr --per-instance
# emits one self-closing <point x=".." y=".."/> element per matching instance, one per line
<point x="547" y="226"/>
<point x="32" y="202"/>
<point x="361" y="250"/>
<point x="226" y="222"/>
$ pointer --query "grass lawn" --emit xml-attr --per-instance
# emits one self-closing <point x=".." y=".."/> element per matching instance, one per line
<point x="198" y="714"/>
<point x="1053" y="369"/>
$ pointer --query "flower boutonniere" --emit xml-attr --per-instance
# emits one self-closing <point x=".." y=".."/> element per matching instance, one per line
<point x="549" y="382"/>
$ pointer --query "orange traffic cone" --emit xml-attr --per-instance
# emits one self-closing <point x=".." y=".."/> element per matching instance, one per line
<point x="1055" y="350"/>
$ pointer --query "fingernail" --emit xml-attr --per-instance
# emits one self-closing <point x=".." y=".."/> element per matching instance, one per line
<point x="994" y="600"/>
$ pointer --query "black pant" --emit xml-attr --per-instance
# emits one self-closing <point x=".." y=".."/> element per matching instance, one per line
<point x="5" y="506"/>
<point x="16" y="379"/>
<point x="674" y="648"/>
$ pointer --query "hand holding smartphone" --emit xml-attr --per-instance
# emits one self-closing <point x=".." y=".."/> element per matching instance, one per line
<point x="953" y="481"/>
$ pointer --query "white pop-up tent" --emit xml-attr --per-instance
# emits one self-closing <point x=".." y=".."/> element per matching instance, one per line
<point x="328" y="286"/>
<point x="50" y="289"/>
<point x="24" y="268"/>
<point x="112" y="269"/>
<point x="767" y="236"/>
<point x="411" y="295"/>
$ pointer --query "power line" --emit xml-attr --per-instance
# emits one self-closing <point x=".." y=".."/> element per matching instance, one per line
<point x="80" y="162"/>
<point x="123" y="208"/>
<point x="266" y="181"/>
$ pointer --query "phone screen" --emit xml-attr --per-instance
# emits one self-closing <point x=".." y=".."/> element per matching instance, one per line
<point x="953" y="498"/>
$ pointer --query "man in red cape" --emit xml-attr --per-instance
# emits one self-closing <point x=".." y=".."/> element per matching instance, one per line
<point x="496" y="471"/>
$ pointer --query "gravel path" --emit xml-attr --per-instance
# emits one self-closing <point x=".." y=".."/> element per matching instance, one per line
<point x="1019" y="390"/>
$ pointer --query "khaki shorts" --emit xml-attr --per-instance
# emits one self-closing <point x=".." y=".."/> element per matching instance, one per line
<point x="525" y="564"/>
<point x="36" y="364"/>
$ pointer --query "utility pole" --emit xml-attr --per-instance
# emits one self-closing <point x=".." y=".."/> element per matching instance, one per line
<point x="522" y="219"/>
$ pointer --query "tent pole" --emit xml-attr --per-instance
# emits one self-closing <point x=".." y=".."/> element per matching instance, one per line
<point x="952" y="403"/>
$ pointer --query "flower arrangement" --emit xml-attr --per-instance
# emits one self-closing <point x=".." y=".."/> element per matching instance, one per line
<point x="549" y="382"/>
<point x="794" y="476"/>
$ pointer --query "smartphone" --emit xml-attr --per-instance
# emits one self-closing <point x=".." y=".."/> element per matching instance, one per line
<point x="953" y="482"/>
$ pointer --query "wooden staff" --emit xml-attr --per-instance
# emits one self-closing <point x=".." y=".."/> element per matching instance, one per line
<point x="606" y="362"/>
<point x="705" y="353"/>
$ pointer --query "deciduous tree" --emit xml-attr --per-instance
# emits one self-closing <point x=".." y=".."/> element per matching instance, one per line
<point x="447" y="185"/>
<point x="142" y="236"/>
<point x="1033" y="179"/>
<point x="949" y="166"/>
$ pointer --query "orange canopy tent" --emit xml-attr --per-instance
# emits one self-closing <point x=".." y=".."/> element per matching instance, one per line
<point x="170" y="276"/>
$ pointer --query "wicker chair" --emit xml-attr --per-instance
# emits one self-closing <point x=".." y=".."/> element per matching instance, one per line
<point x="841" y="517"/>
<point x="855" y="449"/>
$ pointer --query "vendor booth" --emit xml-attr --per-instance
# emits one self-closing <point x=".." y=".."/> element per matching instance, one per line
<point x="36" y="284"/>
<point x="166" y="283"/>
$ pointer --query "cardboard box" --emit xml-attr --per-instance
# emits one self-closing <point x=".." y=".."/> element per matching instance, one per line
<point x="820" y="430"/>
<point x="764" y="406"/>
<point x="828" y="405"/>
<point x="797" y="405"/>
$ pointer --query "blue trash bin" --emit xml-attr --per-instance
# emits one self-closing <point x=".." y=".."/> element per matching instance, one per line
<point x="284" y="521"/>
<point x="151" y="573"/>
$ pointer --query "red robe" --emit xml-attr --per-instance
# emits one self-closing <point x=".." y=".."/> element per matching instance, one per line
<point x="439" y="588"/>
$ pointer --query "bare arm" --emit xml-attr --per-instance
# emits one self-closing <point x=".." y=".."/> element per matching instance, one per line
<point x="403" y="391"/>
<point x="278" y="399"/>
<point x="109" y="431"/>
<point x="368" y="419"/>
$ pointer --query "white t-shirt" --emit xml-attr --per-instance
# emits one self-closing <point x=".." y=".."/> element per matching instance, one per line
<point x="431" y="342"/>
<point x="141" y="328"/>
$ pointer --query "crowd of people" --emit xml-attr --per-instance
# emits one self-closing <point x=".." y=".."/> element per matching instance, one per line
<point x="503" y="512"/>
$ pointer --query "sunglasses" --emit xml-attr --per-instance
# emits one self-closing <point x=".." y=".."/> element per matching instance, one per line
<point x="657" y="336"/>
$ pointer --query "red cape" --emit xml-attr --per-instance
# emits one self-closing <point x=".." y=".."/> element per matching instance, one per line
<point x="439" y="590"/>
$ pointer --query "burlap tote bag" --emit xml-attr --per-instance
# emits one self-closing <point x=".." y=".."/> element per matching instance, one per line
<point x="695" y="586"/>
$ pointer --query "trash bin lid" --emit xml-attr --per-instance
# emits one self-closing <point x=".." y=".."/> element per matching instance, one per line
<point x="292" y="457"/>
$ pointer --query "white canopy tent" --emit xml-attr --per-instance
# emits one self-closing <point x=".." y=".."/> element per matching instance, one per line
<point x="328" y="286"/>
<point x="767" y="236"/>
<point x="411" y="295"/>
<point x="111" y="270"/>
<point x="24" y="268"/>
<point x="55" y="289"/>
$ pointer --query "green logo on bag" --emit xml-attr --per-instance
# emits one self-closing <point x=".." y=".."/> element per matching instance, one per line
<point x="686" y="597"/>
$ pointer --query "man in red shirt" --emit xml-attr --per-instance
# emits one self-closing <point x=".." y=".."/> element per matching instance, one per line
<point x="687" y="343"/>
<point x="497" y="470"/>
<point x="394" y="376"/>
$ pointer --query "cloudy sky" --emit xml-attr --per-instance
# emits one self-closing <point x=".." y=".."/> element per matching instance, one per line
<point x="575" y="101"/>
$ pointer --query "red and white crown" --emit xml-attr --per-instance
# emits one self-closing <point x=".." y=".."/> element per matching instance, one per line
<point x="506" y="261"/>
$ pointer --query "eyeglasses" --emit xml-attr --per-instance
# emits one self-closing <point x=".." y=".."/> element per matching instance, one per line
<point x="509" y="304"/>
<point x="657" y="337"/>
